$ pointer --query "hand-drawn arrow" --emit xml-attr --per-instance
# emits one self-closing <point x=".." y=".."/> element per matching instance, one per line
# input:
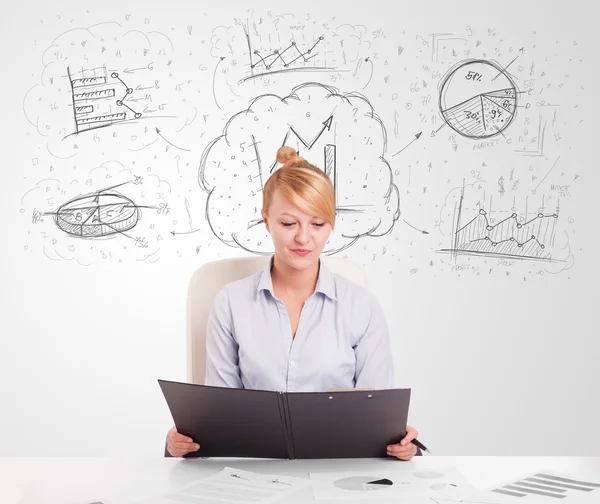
<point x="131" y="70"/>
<point x="417" y="136"/>
<point x="367" y="60"/>
<point x="213" y="83"/>
<point x="184" y="232"/>
<point x="180" y="148"/>
<point x="420" y="230"/>
<point x="308" y="145"/>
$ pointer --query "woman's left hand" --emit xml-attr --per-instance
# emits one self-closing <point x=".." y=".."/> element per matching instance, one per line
<point x="404" y="450"/>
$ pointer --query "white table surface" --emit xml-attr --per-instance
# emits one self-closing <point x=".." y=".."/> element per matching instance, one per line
<point x="124" y="480"/>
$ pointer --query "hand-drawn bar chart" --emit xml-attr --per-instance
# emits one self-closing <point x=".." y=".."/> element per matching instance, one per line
<point x="95" y="102"/>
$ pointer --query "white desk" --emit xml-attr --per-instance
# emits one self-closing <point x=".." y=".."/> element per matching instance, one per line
<point x="83" y="480"/>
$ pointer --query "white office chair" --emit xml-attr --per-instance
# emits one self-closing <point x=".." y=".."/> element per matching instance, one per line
<point x="208" y="280"/>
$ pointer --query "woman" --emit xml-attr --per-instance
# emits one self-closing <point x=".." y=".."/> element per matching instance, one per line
<point x="297" y="327"/>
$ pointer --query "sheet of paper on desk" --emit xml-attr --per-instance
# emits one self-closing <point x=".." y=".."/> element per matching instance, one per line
<point x="233" y="486"/>
<point x="465" y="493"/>
<point x="550" y="486"/>
<point x="384" y="484"/>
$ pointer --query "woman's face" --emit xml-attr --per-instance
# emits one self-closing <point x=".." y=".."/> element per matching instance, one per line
<point x="299" y="238"/>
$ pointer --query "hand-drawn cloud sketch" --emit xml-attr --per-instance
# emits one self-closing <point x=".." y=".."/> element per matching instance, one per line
<point x="478" y="99"/>
<point x="106" y="75"/>
<point x="104" y="224"/>
<point x="324" y="126"/>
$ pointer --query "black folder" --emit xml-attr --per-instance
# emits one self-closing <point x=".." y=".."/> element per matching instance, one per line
<point x="229" y="422"/>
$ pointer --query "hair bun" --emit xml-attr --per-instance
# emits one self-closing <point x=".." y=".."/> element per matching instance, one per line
<point x="285" y="154"/>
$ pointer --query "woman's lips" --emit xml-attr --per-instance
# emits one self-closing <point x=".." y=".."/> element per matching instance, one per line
<point x="301" y="252"/>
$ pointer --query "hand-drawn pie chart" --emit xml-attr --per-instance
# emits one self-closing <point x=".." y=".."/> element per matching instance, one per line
<point x="478" y="99"/>
<point x="363" y="484"/>
<point x="97" y="215"/>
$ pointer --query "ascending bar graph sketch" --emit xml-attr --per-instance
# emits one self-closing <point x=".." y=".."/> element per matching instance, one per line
<point x="515" y="236"/>
<point x="99" y="101"/>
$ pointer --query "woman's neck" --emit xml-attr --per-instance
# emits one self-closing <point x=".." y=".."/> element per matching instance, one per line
<point x="293" y="281"/>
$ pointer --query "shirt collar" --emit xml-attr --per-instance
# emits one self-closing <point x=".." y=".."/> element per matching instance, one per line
<point x="325" y="280"/>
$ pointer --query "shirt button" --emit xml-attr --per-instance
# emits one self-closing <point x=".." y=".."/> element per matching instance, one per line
<point x="293" y="363"/>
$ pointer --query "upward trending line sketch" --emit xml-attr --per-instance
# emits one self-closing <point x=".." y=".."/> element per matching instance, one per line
<point x="308" y="145"/>
<point x="507" y="238"/>
<point x="93" y="99"/>
<point x="279" y="58"/>
<point x="287" y="59"/>
<point x="329" y="160"/>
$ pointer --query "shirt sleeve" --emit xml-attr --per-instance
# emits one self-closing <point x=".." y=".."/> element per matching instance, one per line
<point x="374" y="362"/>
<point x="222" y="361"/>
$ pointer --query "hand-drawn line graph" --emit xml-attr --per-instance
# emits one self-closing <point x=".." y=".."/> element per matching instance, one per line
<point x="292" y="136"/>
<point x="323" y="125"/>
<point x="276" y="48"/>
<point x="277" y="61"/>
<point x="98" y="215"/>
<point x="93" y="98"/>
<point x="511" y="237"/>
<point x="478" y="99"/>
<point x="276" y="57"/>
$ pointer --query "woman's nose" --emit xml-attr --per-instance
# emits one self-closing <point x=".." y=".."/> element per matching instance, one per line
<point x="302" y="235"/>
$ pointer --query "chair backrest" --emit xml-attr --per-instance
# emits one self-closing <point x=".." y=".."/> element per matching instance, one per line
<point x="211" y="277"/>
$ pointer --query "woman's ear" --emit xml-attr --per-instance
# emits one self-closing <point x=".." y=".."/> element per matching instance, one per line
<point x="265" y="219"/>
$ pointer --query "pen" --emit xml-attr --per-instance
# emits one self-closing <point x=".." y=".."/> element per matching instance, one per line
<point x="418" y="443"/>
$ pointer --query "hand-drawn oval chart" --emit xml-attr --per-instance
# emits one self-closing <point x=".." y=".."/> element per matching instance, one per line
<point x="96" y="215"/>
<point x="478" y="99"/>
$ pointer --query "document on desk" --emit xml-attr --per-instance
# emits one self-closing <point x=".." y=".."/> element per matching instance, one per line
<point x="234" y="486"/>
<point x="550" y="486"/>
<point x="382" y="484"/>
<point x="535" y="488"/>
<point x="465" y="493"/>
<point x="229" y="422"/>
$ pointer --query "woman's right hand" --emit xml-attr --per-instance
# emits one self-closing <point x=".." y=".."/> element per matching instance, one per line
<point x="178" y="445"/>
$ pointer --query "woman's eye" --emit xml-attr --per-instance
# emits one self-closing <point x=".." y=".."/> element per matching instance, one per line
<point x="287" y="224"/>
<point x="319" y="224"/>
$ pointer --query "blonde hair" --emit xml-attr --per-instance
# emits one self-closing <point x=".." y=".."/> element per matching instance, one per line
<point x="305" y="185"/>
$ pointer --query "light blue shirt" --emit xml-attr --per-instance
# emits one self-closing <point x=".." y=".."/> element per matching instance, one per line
<point x="342" y="338"/>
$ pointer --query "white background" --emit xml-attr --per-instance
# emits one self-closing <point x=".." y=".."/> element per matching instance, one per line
<point x="500" y="362"/>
